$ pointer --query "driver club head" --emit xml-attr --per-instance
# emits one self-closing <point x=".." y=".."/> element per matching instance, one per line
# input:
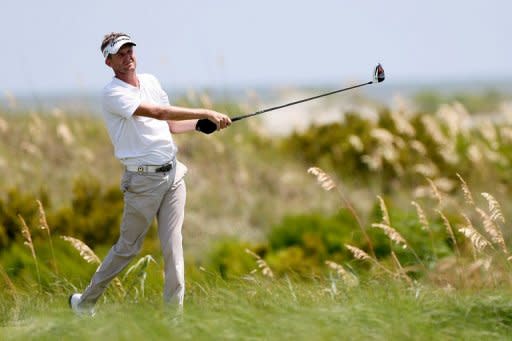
<point x="378" y="74"/>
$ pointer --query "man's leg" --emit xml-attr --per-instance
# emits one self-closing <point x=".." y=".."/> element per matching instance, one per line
<point x="170" y="221"/>
<point x="139" y="211"/>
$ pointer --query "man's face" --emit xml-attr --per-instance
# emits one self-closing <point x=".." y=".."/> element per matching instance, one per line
<point x="123" y="61"/>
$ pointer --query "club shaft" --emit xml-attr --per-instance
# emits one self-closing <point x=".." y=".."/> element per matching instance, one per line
<point x="237" y="118"/>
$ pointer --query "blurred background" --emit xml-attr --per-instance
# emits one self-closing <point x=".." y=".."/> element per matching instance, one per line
<point x="51" y="50"/>
<point x="443" y="116"/>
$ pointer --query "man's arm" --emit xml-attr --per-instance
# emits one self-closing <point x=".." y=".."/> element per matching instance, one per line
<point x="177" y="127"/>
<point x="174" y="113"/>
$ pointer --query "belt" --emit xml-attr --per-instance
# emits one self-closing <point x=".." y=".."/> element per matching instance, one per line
<point x="151" y="168"/>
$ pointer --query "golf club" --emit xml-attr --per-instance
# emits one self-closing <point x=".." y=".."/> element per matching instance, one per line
<point x="206" y="126"/>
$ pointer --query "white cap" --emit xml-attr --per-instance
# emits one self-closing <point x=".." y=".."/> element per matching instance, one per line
<point x="116" y="44"/>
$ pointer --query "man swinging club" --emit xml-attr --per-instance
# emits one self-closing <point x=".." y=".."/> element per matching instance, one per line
<point x="140" y="122"/>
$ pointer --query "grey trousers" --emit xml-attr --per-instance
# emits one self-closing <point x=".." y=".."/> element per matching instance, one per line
<point x="146" y="196"/>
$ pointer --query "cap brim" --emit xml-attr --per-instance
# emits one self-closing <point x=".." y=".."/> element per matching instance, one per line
<point x="113" y="49"/>
<point x="120" y="44"/>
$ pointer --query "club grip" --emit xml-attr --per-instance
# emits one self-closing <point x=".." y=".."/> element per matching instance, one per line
<point x="206" y="126"/>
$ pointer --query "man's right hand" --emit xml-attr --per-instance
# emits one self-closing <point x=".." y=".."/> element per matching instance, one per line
<point x="221" y="121"/>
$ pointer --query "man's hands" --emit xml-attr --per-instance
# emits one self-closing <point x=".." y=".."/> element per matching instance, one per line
<point x="212" y="121"/>
<point x="175" y="113"/>
<point x="220" y="120"/>
<point x="207" y="122"/>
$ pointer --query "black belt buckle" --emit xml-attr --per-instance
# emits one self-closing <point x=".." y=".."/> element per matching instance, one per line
<point x="164" y="168"/>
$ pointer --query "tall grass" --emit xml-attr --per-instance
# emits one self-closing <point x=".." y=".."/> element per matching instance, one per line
<point x="261" y="310"/>
<point x="327" y="183"/>
<point x="43" y="224"/>
<point x="25" y="231"/>
<point x="487" y="264"/>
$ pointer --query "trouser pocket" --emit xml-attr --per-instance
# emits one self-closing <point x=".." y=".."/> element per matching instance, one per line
<point x="125" y="181"/>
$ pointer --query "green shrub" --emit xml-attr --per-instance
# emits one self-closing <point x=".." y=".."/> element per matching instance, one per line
<point x="229" y="259"/>
<point x="328" y="147"/>
<point x="68" y="270"/>
<point x="17" y="203"/>
<point x="94" y="215"/>
<point x="302" y="243"/>
<point x="385" y="165"/>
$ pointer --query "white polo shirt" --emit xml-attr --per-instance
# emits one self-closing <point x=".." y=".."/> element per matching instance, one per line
<point x="137" y="140"/>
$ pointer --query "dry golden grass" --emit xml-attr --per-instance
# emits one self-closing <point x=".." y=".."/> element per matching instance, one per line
<point x="363" y="256"/>
<point x="385" y="214"/>
<point x="43" y="225"/>
<point x="492" y="229"/>
<point x="487" y="266"/>
<point x="449" y="229"/>
<point x="358" y="253"/>
<point x="392" y="234"/>
<point x="90" y="257"/>
<point x="85" y="251"/>
<point x="478" y="241"/>
<point x="422" y="217"/>
<point x="328" y="183"/>
<point x="265" y="269"/>
<point x="435" y="191"/>
<point x="25" y="231"/>
<point x="323" y="178"/>
<point x="467" y="193"/>
<point x="347" y="277"/>
<point x="494" y="208"/>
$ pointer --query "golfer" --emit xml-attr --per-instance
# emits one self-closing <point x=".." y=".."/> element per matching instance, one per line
<point x="140" y="122"/>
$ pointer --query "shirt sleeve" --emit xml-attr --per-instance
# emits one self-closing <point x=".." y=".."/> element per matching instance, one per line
<point x="120" y="102"/>
<point x="164" y="99"/>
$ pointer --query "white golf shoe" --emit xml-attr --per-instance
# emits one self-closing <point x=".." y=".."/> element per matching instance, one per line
<point x="74" y="299"/>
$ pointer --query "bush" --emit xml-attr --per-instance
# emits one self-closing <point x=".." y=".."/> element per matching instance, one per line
<point x="229" y="259"/>
<point x="94" y="215"/>
<point x="23" y="204"/>
<point x="302" y="243"/>
<point x="328" y="147"/>
<point x="428" y="245"/>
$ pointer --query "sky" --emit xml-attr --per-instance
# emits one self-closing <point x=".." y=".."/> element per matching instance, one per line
<point x="53" y="46"/>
